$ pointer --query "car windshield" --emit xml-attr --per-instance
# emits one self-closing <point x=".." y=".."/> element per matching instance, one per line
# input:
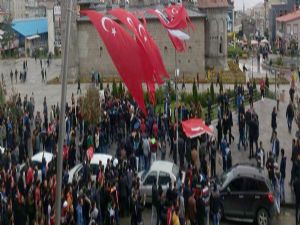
<point x="175" y="170"/>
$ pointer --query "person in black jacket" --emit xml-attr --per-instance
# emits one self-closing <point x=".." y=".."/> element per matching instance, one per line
<point x="273" y="121"/>
<point x="219" y="128"/>
<point x="290" y="116"/>
<point x="297" y="194"/>
<point x="215" y="205"/>
<point x="282" y="175"/>
<point x="154" y="215"/>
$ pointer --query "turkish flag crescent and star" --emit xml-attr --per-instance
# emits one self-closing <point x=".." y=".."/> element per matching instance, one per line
<point x="177" y="18"/>
<point x="153" y="66"/>
<point x="124" y="52"/>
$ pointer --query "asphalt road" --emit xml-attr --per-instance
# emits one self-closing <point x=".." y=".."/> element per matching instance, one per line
<point x="286" y="217"/>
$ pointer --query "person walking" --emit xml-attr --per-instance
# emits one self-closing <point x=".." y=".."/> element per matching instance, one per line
<point x="215" y="204"/>
<point x="290" y="115"/>
<point x="78" y="86"/>
<point x="213" y="158"/>
<point x="154" y="215"/>
<point x="260" y="156"/>
<point x="273" y="121"/>
<point x="282" y="176"/>
<point x="296" y="186"/>
<point x="16" y="75"/>
<point x="275" y="145"/>
<point x="242" y="131"/>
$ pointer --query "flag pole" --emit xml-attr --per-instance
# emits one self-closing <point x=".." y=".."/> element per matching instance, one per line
<point x="62" y="124"/>
<point x="176" y="91"/>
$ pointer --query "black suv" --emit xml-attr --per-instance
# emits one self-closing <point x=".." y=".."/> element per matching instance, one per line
<point x="246" y="195"/>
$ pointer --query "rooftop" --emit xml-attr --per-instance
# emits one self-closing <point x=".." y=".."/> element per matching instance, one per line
<point x="212" y="4"/>
<point x="191" y="13"/>
<point x="289" y="17"/>
<point x="31" y="26"/>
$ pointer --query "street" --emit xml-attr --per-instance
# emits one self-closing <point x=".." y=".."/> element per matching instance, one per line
<point x="286" y="217"/>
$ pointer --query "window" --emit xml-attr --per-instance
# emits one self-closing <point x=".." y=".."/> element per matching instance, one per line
<point x="295" y="30"/>
<point x="164" y="178"/>
<point x="255" y="185"/>
<point x="236" y="185"/>
<point x="151" y="178"/>
<point x="288" y="29"/>
<point x="221" y="45"/>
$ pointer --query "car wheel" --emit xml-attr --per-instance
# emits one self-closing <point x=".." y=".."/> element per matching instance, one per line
<point x="262" y="217"/>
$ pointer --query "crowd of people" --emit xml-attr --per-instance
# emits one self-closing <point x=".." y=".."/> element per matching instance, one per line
<point x="136" y="141"/>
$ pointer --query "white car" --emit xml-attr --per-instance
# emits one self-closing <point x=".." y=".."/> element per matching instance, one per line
<point x="77" y="171"/>
<point x="161" y="172"/>
<point x="37" y="162"/>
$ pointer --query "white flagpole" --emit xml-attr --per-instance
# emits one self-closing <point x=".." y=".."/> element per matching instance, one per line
<point x="62" y="123"/>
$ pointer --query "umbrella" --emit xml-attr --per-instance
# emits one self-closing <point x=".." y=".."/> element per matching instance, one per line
<point x="254" y="42"/>
<point x="195" y="128"/>
<point x="265" y="41"/>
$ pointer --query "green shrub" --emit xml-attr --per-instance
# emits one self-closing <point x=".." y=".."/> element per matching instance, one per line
<point x="233" y="52"/>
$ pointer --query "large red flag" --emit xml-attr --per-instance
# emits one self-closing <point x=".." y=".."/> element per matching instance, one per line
<point x="124" y="52"/>
<point x="142" y="37"/>
<point x="153" y="66"/>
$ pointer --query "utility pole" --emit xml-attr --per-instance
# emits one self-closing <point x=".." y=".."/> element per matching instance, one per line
<point x="62" y="124"/>
<point x="176" y="91"/>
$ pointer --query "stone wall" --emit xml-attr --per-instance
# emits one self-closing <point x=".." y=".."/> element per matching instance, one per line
<point x="216" y="38"/>
<point x="93" y="55"/>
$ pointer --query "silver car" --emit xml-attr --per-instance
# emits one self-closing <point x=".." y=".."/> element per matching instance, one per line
<point x="76" y="171"/>
<point x="160" y="172"/>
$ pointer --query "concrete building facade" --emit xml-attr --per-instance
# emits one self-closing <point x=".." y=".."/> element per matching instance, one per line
<point x="288" y="30"/>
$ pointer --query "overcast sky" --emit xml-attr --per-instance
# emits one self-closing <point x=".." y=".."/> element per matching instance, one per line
<point x="248" y="3"/>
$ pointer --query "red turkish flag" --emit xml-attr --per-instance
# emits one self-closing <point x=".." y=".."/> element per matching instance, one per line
<point x="153" y="66"/>
<point x="177" y="18"/>
<point x="178" y="22"/>
<point x="174" y="11"/>
<point x="124" y="52"/>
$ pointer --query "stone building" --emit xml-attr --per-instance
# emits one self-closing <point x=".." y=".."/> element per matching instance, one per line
<point x="215" y="32"/>
<point x="92" y="53"/>
<point x="207" y="47"/>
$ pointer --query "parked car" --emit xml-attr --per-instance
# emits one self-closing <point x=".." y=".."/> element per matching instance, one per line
<point x="76" y="171"/>
<point x="36" y="161"/>
<point x="247" y="195"/>
<point x="161" y="172"/>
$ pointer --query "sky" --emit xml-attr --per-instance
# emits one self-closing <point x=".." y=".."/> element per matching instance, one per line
<point x="248" y="4"/>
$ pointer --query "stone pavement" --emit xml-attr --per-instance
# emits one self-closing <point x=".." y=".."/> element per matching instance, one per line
<point x="264" y="110"/>
<point x="34" y="81"/>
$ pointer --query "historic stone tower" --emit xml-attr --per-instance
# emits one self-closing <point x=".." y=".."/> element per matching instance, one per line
<point x="215" y="32"/>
